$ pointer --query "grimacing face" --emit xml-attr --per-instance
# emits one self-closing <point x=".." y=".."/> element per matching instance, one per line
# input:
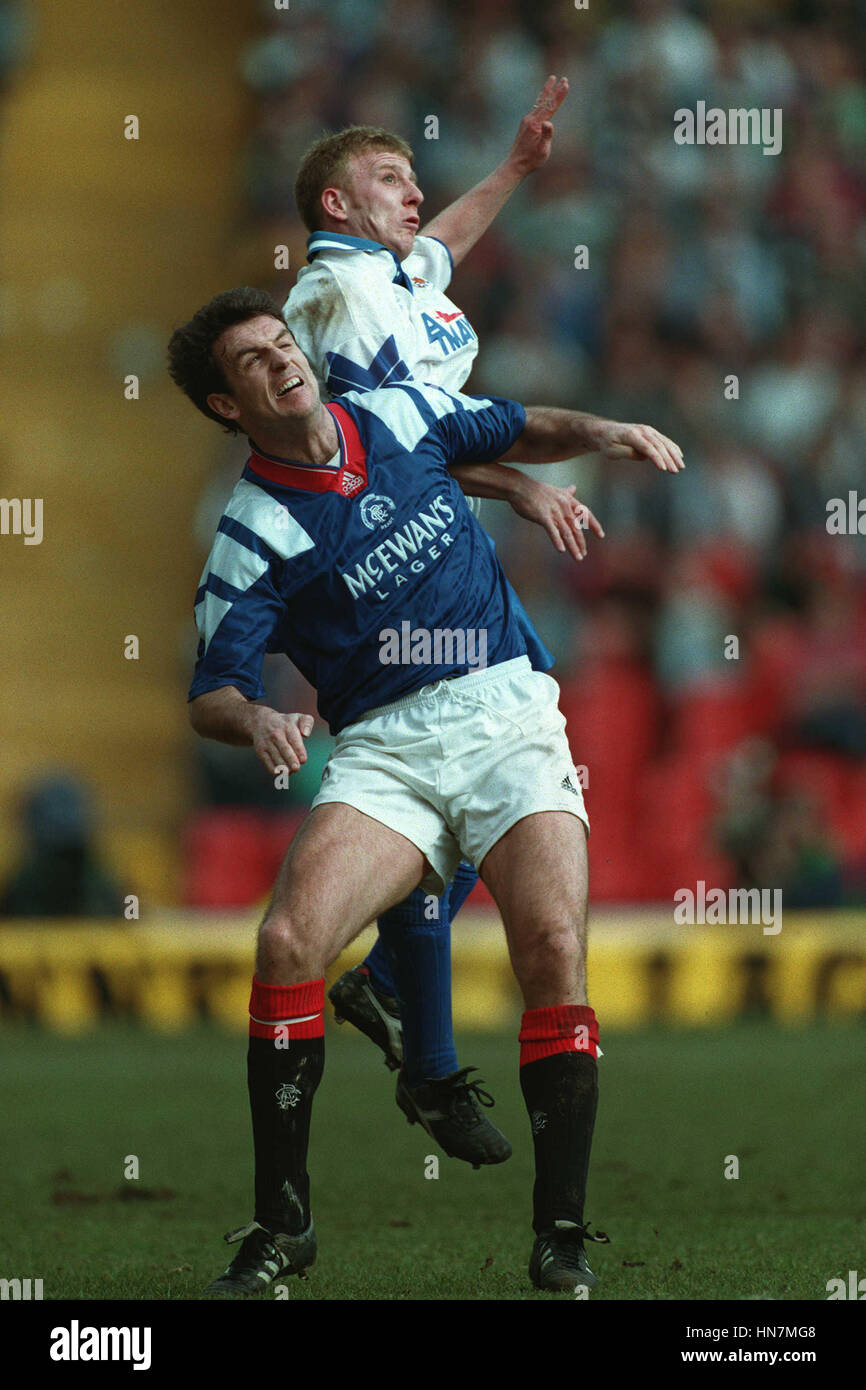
<point x="270" y="382"/>
<point x="381" y="200"/>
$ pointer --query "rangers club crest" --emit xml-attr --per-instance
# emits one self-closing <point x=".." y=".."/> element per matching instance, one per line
<point x="377" y="510"/>
<point x="287" y="1096"/>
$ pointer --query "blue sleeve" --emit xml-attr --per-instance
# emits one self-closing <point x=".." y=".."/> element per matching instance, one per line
<point x="481" y="434"/>
<point x="236" y="629"/>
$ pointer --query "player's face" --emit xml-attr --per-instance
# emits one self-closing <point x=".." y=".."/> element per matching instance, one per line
<point x="381" y="200"/>
<point x="270" y="382"/>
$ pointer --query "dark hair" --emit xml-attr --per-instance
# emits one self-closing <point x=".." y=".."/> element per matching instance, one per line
<point x="191" y="363"/>
<point x="326" y="163"/>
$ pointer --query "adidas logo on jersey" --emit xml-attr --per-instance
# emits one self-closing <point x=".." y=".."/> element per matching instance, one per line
<point x="351" y="483"/>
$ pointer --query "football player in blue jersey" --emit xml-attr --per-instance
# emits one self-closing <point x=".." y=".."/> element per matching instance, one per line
<point x="370" y="309"/>
<point x="348" y="521"/>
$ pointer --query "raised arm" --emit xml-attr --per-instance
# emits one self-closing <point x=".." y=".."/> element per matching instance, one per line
<point x="462" y="223"/>
<point x="551" y="434"/>
<point x="548" y="436"/>
<point x="556" y="509"/>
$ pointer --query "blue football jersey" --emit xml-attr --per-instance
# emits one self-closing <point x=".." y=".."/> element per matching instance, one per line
<point x="326" y="563"/>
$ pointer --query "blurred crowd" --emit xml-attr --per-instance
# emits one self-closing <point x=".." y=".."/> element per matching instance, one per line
<point x="712" y="650"/>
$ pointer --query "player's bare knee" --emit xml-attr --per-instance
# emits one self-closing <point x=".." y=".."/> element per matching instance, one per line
<point x="550" y="939"/>
<point x="286" y="951"/>
<point x="549" y="959"/>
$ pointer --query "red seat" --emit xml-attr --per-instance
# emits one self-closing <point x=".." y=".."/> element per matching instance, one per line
<point x="775" y="658"/>
<point x="823" y="776"/>
<point x="677" y="810"/>
<point x="837" y="786"/>
<point x="278" y="833"/>
<point x="611" y="721"/>
<point x="711" y="721"/>
<point x="228" y="858"/>
<point x="850" y="822"/>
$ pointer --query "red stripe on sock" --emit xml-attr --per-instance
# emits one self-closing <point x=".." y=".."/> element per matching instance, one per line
<point x="274" y="1006"/>
<point x="558" y="1028"/>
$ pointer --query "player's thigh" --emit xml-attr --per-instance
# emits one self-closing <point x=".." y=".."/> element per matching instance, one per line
<point x="538" y="876"/>
<point x="342" y="870"/>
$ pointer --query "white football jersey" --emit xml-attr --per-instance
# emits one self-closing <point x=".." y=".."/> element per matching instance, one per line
<point x="363" y="318"/>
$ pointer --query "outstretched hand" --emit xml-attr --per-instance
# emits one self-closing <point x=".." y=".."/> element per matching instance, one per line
<point x="557" y="509"/>
<point x="534" y="137"/>
<point x="639" y="442"/>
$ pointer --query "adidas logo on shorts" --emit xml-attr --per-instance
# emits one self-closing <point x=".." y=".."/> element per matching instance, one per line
<point x="569" y="786"/>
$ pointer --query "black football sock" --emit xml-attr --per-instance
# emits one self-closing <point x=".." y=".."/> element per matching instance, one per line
<point x="283" y="1072"/>
<point x="560" y="1088"/>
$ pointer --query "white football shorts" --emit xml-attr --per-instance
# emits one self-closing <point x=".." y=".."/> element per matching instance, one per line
<point x="453" y="766"/>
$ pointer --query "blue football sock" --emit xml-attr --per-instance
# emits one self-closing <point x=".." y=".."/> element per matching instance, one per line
<point x="379" y="966"/>
<point x="415" y="938"/>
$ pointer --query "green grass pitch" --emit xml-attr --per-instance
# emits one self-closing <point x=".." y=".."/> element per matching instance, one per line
<point x="673" y="1107"/>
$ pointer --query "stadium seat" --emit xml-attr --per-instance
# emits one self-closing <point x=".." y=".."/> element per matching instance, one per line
<point x="278" y="833"/>
<point x="712" y="720"/>
<point x="823" y="776"/>
<point x="611" y="721"/>
<point x="852" y="830"/>
<point x="233" y="855"/>
<point x="229" y="858"/>
<point x="612" y="725"/>
<point x="838" y="787"/>
<point x="775" y="657"/>
<point x="676" y="811"/>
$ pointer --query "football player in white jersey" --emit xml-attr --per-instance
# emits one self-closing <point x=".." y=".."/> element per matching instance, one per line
<point x="370" y="310"/>
<point x="371" y="305"/>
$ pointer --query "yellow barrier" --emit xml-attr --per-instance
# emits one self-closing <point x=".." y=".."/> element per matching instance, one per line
<point x="184" y="967"/>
